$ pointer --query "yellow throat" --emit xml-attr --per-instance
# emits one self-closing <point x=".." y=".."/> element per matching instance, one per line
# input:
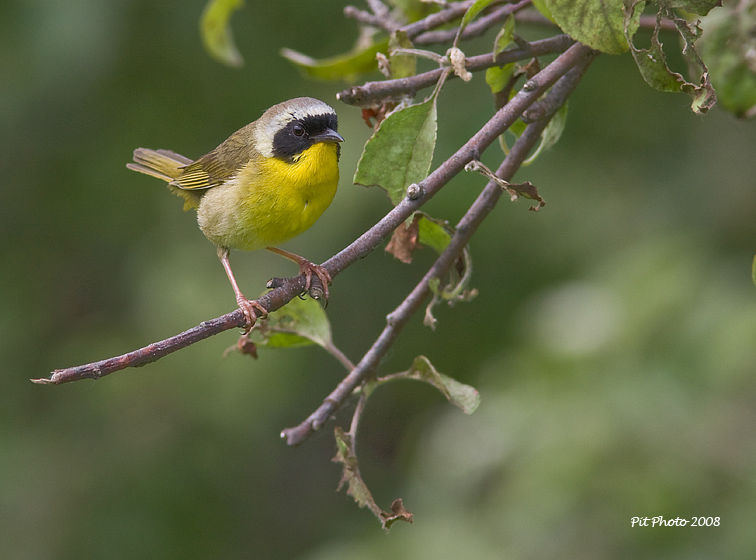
<point x="271" y="200"/>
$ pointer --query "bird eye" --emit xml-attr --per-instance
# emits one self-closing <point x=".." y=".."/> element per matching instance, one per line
<point x="298" y="130"/>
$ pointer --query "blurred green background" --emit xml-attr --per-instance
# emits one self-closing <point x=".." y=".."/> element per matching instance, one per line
<point x="613" y="340"/>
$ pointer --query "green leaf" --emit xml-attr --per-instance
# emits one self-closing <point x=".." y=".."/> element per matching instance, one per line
<point x="699" y="7"/>
<point x="402" y="65"/>
<point x="497" y="77"/>
<point x="727" y="45"/>
<point x="517" y="128"/>
<point x="435" y="234"/>
<point x="599" y="24"/>
<point x="540" y="5"/>
<point x="554" y="129"/>
<point x="473" y="11"/>
<point x="505" y="36"/>
<point x="460" y="395"/>
<point x="414" y="10"/>
<point x="551" y="134"/>
<point x="348" y="66"/>
<point x="400" y="152"/>
<point x="216" y="32"/>
<point x="652" y="64"/>
<point x="301" y="322"/>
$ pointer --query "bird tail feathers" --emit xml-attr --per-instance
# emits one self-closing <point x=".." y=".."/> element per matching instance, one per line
<point x="163" y="164"/>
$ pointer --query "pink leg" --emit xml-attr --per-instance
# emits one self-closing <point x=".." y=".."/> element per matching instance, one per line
<point x="249" y="306"/>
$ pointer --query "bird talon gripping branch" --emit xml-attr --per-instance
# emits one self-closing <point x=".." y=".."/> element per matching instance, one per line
<point x="251" y="308"/>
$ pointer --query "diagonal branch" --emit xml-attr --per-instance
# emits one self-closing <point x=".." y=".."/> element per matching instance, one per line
<point x="360" y="248"/>
<point x="454" y="12"/>
<point x="465" y="229"/>
<point x="148" y="354"/>
<point x="374" y="91"/>
<point x="275" y="299"/>
<point x="475" y="29"/>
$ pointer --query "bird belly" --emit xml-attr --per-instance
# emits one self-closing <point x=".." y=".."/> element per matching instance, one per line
<point x="269" y="201"/>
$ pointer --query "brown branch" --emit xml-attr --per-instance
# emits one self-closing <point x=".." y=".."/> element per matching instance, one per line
<point x="383" y="21"/>
<point x="534" y="17"/>
<point x="148" y="354"/>
<point x="475" y="29"/>
<point x="422" y="32"/>
<point x="648" y="21"/>
<point x="373" y="91"/>
<point x="447" y="15"/>
<point x="465" y="229"/>
<point x="275" y="299"/>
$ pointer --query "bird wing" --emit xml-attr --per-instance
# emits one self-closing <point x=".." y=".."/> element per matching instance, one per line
<point x="208" y="171"/>
<point x="216" y="167"/>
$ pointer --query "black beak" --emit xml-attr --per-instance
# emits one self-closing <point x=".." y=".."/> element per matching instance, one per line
<point x="329" y="135"/>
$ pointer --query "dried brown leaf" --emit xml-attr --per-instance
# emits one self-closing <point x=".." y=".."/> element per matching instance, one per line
<point x="404" y="241"/>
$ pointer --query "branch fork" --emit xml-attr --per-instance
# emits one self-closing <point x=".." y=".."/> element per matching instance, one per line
<point x="563" y="74"/>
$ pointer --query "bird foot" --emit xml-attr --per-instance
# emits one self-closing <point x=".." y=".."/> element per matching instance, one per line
<point x="309" y="269"/>
<point x="251" y="308"/>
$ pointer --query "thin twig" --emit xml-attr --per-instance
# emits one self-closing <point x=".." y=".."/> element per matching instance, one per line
<point x="379" y="8"/>
<point x="534" y="17"/>
<point x="149" y="353"/>
<point x="452" y="13"/>
<point x="473" y="148"/>
<point x="384" y="22"/>
<point x="356" y="418"/>
<point x="475" y="29"/>
<point x="272" y="300"/>
<point x="648" y="21"/>
<point x="373" y="91"/>
<point x="336" y="352"/>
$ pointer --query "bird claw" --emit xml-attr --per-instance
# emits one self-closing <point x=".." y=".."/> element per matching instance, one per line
<point x="250" y="307"/>
<point x="309" y="269"/>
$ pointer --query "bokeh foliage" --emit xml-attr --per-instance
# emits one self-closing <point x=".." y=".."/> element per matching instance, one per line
<point x="612" y="339"/>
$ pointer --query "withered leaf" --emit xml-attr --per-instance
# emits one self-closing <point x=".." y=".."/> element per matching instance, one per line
<point x="404" y="241"/>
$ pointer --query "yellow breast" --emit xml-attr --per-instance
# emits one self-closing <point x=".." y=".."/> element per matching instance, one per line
<point x="270" y="200"/>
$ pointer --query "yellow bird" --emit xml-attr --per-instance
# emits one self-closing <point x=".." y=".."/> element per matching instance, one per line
<point x="267" y="183"/>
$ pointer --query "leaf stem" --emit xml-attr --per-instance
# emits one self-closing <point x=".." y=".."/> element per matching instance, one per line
<point x="339" y="355"/>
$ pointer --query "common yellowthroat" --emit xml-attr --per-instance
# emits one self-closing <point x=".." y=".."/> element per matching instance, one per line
<point x="267" y="183"/>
